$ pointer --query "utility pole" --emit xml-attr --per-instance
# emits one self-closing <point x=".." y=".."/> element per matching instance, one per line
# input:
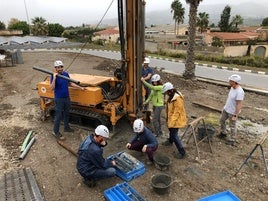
<point x="27" y="17"/>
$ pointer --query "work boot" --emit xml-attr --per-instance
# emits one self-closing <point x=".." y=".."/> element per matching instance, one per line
<point x="179" y="155"/>
<point x="222" y="135"/>
<point x="58" y="135"/>
<point x="90" y="183"/>
<point x="68" y="130"/>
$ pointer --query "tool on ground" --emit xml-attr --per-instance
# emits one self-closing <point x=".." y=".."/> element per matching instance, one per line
<point x="27" y="148"/>
<point x="67" y="147"/>
<point x="259" y="144"/>
<point x="26" y="140"/>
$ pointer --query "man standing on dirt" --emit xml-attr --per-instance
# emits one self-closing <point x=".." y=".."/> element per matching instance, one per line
<point x="91" y="164"/>
<point x="176" y="118"/>
<point x="146" y="74"/>
<point x="232" y="108"/>
<point x="61" y="99"/>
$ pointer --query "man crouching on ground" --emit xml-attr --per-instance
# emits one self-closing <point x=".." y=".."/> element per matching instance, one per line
<point x="91" y="164"/>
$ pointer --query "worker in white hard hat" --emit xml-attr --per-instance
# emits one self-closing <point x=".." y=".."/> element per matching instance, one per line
<point x="176" y="117"/>
<point x="90" y="164"/>
<point x="231" y="109"/>
<point x="156" y="97"/>
<point x="143" y="141"/>
<point x="146" y="73"/>
<point x="61" y="98"/>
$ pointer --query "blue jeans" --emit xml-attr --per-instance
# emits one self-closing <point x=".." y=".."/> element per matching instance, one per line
<point x="174" y="137"/>
<point x="62" y="108"/>
<point x="102" y="174"/>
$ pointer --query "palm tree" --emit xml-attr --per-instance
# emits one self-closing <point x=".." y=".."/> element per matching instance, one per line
<point x="178" y="14"/>
<point x="202" y="21"/>
<point x="40" y="27"/>
<point x="237" y="20"/>
<point x="189" y="72"/>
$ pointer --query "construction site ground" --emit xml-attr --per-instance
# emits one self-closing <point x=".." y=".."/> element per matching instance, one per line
<point x="194" y="177"/>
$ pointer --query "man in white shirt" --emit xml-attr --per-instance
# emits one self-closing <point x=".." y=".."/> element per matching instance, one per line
<point x="231" y="109"/>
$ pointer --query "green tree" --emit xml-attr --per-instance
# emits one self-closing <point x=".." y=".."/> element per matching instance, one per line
<point x="237" y="20"/>
<point x="216" y="42"/>
<point x="225" y="18"/>
<point x="2" y="26"/>
<point x="178" y="14"/>
<point x="189" y="72"/>
<point x="202" y="21"/>
<point x="39" y="27"/>
<point x="55" y="30"/>
<point x="265" y="22"/>
<point x="20" y="25"/>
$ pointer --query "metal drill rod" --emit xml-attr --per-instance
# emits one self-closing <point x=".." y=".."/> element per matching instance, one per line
<point x="122" y="164"/>
<point x="129" y="166"/>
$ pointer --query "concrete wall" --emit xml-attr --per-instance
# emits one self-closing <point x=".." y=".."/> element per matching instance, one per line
<point x="235" y="51"/>
<point x="11" y="33"/>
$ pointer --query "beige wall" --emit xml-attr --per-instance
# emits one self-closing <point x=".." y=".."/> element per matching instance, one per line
<point x="235" y="51"/>
<point x="11" y="33"/>
<point x="107" y="38"/>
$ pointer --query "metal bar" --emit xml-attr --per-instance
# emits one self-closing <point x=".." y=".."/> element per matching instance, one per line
<point x="26" y="140"/>
<point x="245" y="161"/>
<point x="27" y="148"/>
<point x="67" y="148"/>
<point x="51" y="73"/>
<point x="264" y="160"/>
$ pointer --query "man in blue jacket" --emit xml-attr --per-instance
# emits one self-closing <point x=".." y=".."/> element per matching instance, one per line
<point x="144" y="140"/>
<point x="90" y="164"/>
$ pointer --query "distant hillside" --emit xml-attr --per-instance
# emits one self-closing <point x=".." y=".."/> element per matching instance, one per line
<point x="252" y="13"/>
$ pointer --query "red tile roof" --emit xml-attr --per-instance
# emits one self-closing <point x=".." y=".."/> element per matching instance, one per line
<point x="228" y="36"/>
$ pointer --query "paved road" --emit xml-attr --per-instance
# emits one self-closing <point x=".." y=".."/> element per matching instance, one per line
<point x="250" y="80"/>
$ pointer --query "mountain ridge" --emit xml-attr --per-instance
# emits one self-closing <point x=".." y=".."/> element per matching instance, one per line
<point x="252" y="13"/>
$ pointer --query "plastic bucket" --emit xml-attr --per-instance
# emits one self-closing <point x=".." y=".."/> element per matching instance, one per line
<point x="162" y="161"/>
<point x="161" y="183"/>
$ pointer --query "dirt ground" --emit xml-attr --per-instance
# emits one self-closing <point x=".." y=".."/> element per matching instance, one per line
<point x="54" y="167"/>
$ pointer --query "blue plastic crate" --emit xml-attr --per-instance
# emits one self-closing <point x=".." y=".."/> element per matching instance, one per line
<point x="134" y="167"/>
<point x="222" y="196"/>
<point x="122" y="192"/>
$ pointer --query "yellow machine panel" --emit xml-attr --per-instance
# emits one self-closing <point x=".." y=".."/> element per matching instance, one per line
<point x="89" y="97"/>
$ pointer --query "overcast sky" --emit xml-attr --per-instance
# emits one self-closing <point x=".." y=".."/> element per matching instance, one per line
<point x="77" y="12"/>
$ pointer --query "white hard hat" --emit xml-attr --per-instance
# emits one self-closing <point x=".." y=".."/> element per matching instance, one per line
<point x="138" y="126"/>
<point x="155" y="78"/>
<point x="58" y="63"/>
<point x="146" y="60"/>
<point x="167" y="86"/>
<point x="236" y="78"/>
<point x="102" y="131"/>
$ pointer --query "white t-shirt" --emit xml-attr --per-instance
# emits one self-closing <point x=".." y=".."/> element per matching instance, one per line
<point x="233" y="96"/>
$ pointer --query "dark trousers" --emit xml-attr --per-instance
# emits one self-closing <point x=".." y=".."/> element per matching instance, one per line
<point x="62" y="109"/>
<point x="137" y="146"/>
<point x="174" y="137"/>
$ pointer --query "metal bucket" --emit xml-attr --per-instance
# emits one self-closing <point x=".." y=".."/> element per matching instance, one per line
<point x="162" y="161"/>
<point x="161" y="183"/>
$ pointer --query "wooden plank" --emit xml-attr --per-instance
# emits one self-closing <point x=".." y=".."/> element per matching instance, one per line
<point x="207" y="106"/>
